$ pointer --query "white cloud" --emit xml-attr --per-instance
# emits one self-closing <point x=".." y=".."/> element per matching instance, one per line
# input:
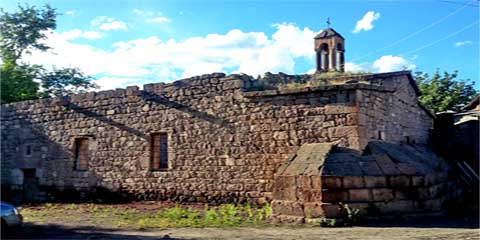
<point x="353" y="67"/>
<point x="463" y="43"/>
<point x="152" y="17"/>
<point x="158" y="20"/>
<point x="115" y="82"/>
<point x="153" y="59"/>
<point x="72" y="34"/>
<point x="115" y="25"/>
<point x="143" y="12"/>
<point x="77" y="33"/>
<point x="92" y="35"/>
<point x="108" y="23"/>
<point x="70" y="12"/>
<point x="365" y="23"/>
<point x="389" y="63"/>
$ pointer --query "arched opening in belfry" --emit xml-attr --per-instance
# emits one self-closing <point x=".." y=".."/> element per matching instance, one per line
<point x="324" y="60"/>
<point x="339" y="57"/>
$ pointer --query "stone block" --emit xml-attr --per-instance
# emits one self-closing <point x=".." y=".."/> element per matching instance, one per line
<point x="331" y="210"/>
<point x="406" y="193"/>
<point x="382" y="194"/>
<point x="397" y="206"/>
<point x="338" y="109"/>
<point x="150" y="87"/>
<point x="331" y="182"/>
<point x="358" y="195"/>
<point x="399" y="181"/>
<point x="303" y="182"/>
<point x="386" y="165"/>
<point x="309" y="195"/>
<point x="313" y="209"/>
<point x="343" y="131"/>
<point x="375" y="181"/>
<point x="284" y="188"/>
<point x="292" y="208"/>
<point x="430" y="204"/>
<point x="132" y="90"/>
<point x="418" y="181"/>
<point x="334" y="196"/>
<point x="353" y="182"/>
<point x="407" y="169"/>
<point x="316" y="182"/>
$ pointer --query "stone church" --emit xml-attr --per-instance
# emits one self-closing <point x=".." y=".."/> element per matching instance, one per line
<point x="357" y="139"/>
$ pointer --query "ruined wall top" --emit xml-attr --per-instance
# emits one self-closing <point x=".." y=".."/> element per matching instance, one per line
<point x="216" y="83"/>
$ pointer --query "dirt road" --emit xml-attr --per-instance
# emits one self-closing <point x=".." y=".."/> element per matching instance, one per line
<point x="50" y="231"/>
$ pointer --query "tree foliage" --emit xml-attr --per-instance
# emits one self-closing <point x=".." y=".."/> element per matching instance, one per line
<point x="443" y="92"/>
<point x="17" y="82"/>
<point x="64" y="81"/>
<point x="20" y="33"/>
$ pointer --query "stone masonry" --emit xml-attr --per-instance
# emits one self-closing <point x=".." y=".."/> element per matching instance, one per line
<point x="227" y="135"/>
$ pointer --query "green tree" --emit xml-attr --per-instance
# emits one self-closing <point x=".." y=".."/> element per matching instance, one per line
<point x="443" y="92"/>
<point x="20" y="33"/>
<point x="17" y="82"/>
<point x="65" y="81"/>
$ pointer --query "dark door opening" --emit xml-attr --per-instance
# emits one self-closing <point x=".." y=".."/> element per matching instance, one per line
<point x="30" y="184"/>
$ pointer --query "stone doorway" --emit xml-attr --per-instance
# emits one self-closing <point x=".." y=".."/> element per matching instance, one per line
<point x="30" y="185"/>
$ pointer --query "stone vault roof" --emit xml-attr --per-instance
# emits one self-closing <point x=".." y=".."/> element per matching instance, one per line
<point x="327" y="33"/>
<point x="379" y="158"/>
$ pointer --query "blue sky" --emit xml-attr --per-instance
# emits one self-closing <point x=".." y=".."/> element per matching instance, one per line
<point x="125" y="43"/>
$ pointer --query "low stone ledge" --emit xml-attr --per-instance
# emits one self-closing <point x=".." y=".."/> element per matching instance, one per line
<point x="303" y="90"/>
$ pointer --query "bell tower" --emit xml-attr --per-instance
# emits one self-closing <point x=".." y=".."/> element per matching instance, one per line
<point x="330" y="49"/>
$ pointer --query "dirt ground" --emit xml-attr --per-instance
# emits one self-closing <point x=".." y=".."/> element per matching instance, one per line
<point x="46" y="231"/>
<point x="91" y="222"/>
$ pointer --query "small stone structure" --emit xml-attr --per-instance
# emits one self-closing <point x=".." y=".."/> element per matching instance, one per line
<point x="387" y="178"/>
<point x="217" y="138"/>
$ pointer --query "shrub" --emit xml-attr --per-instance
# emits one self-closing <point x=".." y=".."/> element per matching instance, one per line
<point x="350" y="216"/>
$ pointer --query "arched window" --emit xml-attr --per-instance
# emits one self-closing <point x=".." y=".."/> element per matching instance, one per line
<point x="339" y="57"/>
<point x="324" y="56"/>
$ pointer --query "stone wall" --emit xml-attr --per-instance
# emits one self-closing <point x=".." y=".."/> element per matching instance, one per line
<point x="394" y="115"/>
<point x="224" y="142"/>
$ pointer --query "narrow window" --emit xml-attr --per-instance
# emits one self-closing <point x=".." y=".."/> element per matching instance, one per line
<point x="82" y="154"/>
<point x="159" y="151"/>
<point x="381" y="135"/>
<point x="407" y="139"/>
<point x="28" y="150"/>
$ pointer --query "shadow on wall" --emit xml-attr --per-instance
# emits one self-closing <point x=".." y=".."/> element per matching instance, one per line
<point x="51" y="164"/>
<point x="56" y="160"/>
<point x="157" y="99"/>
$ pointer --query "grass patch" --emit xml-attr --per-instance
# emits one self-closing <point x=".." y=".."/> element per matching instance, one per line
<point x="227" y="215"/>
<point x="318" y="80"/>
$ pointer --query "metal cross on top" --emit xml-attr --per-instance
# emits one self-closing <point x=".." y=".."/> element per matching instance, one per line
<point x="328" y="22"/>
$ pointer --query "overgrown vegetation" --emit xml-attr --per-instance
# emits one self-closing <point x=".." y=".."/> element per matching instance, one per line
<point x="349" y="217"/>
<point x="227" y="215"/>
<point x="319" y="80"/>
